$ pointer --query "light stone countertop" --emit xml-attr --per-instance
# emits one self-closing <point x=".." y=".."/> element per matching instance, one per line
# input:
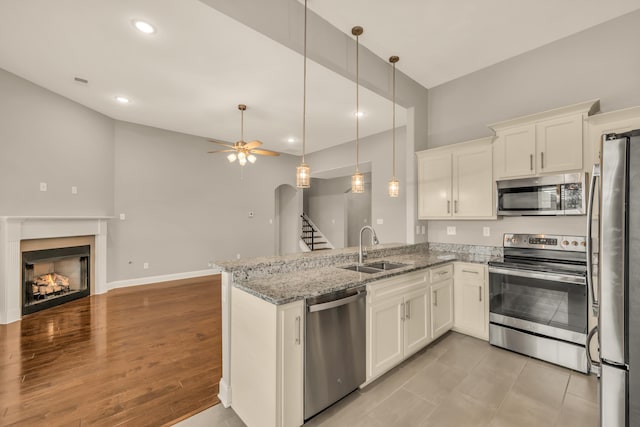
<point x="296" y="284"/>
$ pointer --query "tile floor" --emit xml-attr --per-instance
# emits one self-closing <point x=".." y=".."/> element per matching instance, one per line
<point x="461" y="381"/>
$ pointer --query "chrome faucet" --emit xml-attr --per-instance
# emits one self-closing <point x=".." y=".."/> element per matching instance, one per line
<point x="374" y="240"/>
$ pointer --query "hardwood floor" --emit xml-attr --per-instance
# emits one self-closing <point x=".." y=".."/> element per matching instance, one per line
<point x="143" y="356"/>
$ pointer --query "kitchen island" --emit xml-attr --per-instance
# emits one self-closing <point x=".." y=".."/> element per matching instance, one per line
<point x="263" y="317"/>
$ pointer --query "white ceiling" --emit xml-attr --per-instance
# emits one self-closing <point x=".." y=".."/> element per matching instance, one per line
<point x="190" y="75"/>
<point x="441" y="40"/>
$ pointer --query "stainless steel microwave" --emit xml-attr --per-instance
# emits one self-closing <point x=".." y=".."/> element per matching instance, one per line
<point x="544" y="195"/>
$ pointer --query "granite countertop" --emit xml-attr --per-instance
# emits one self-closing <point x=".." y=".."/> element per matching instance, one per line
<point x="289" y="286"/>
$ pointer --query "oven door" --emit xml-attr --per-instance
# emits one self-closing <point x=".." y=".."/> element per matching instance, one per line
<point x="543" y="303"/>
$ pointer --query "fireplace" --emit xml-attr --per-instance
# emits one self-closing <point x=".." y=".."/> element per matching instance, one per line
<point x="52" y="277"/>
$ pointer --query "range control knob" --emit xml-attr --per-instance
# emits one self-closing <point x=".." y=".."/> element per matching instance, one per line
<point x="574" y="243"/>
<point x="514" y="240"/>
<point x="565" y="242"/>
<point x="583" y="243"/>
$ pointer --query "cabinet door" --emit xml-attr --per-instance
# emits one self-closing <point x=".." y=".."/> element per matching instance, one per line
<point x="434" y="185"/>
<point x="559" y="144"/>
<point x="473" y="187"/>
<point x="416" y="320"/>
<point x="515" y="151"/>
<point x="385" y="334"/>
<point x="470" y="315"/>
<point x="290" y="359"/>
<point x="441" y="307"/>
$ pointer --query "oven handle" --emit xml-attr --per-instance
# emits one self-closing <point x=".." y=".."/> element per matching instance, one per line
<point x="595" y="305"/>
<point x="555" y="277"/>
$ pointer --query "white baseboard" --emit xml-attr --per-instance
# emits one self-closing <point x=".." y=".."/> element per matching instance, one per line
<point x="164" y="278"/>
<point x="224" y="393"/>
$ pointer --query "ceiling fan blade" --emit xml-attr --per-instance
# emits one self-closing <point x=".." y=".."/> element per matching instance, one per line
<point x="252" y="144"/>
<point x="219" y="151"/>
<point x="220" y="143"/>
<point x="265" y="152"/>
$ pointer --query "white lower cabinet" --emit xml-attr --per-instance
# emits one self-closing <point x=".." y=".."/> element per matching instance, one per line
<point x="471" y="300"/>
<point x="441" y="309"/>
<point x="267" y="353"/>
<point x="397" y="320"/>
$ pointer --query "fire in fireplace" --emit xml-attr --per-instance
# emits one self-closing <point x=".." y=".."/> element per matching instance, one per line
<point x="52" y="277"/>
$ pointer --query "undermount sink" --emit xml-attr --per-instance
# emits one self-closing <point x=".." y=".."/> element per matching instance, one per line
<point x="385" y="265"/>
<point x="362" y="269"/>
<point x="374" y="267"/>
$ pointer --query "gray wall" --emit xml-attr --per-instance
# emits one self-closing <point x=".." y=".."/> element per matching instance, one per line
<point x="338" y="213"/>
<point x="601" y="62"/>
<point x="184" y="207"/>
<point x="376" y="150"/>
<point x="288" y="223"/>
<point x="47" y="138"/>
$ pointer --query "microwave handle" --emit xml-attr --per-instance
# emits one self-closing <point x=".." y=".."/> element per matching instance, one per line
<point x="595" y="305"/>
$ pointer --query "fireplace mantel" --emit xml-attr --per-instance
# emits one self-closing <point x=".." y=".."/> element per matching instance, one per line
<point x="14" y="229"/>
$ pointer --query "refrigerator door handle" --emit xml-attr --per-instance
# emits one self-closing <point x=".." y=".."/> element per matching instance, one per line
<point x="595" y="305"/>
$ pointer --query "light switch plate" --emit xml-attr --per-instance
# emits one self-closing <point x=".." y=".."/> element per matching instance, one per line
<point x="417" y="229"/>
<point x="380" y="221"/>
<point x="451" y="230"/>
<point x="423" y="230"/>
<point x="74" y="190"/>
<point x="43" y="186"/>
<point x="486" y="231"/>
<point x="122" y="217"/>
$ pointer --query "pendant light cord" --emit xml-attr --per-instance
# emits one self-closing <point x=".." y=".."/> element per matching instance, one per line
<point x="357" y="98"/>
<point x="304" y="86"/>
<point x="394" y="120"/>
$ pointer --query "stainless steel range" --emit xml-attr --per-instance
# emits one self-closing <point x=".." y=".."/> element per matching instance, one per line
<point x="538" y="298"/>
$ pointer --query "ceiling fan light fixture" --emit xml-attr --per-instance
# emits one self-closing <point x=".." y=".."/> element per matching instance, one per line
<point x="232" y="157"/>
<point x="242" y="160"/>
<point x="242" y="156"/>
<point x="252" y="158"/>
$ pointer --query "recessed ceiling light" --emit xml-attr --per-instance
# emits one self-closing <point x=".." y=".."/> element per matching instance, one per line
<point x="122" y="99"/>
<point x="291" y="140"/>
<point x="144" y="27"/>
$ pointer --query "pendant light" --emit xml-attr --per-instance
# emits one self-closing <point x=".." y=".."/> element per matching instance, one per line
<point x="303" y="172"/>
<point x="394" y="185"/>
<point x="357" y="180"/>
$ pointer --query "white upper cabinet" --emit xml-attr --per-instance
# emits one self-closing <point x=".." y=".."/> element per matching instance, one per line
<point x="543" y="143"/>
<point x="456" y="181"/>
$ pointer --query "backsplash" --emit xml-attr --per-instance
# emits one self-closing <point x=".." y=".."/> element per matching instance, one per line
<point x="491" y="251"/>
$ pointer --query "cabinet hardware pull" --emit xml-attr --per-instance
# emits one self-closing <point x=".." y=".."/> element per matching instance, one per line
<point x="448" y="206"/>
<point x="298" y="330"/>
<point x="480" y="293"/>
<point x="531" y="161"/>
<point x="408" y="310"/>
<point x="541" y="160"/>
<point x="455" y="206"/>
<point x="402" y="313"/>
<point x="470" y="271"/>
<point x="435" y="301"/>
<point x="440" y="273"/>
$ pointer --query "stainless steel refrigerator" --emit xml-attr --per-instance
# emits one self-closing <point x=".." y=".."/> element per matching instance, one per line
<point x="619" y="280"/>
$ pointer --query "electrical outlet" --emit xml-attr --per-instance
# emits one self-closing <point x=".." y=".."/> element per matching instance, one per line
<point x="145" y="265"/>
<point x="238" y="256"/>
<point x="74" y="190"/>
<point x="43" y="186"/>
<point x="423" y="229"/>
<point x="486" y="231"/>
<point x="451" y="231"/>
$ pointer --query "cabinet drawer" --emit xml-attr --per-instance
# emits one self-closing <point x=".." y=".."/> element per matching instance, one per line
<point x="439" y="274"/>
<point x="387" y="288"/>
<point x="467" y="271"/>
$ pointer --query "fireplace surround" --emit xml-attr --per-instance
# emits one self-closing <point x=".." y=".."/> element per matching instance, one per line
<point x="16" y="232"/>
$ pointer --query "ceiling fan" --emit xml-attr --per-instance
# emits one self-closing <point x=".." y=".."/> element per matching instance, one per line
<point x="241" y="150"/>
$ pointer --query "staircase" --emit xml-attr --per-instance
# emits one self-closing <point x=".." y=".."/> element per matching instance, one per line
<point x="311" y="238"/>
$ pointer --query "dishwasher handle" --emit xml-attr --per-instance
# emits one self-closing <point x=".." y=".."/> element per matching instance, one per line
<point x="337" y="303"/>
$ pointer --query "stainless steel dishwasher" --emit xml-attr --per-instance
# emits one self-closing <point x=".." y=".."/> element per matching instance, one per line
<point x="335" y="354"/>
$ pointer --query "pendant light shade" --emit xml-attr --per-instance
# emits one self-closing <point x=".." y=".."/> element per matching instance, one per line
<point x="394" y="185"/>
<point x="357" y="181"/>
<point x="303" y="172"/>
